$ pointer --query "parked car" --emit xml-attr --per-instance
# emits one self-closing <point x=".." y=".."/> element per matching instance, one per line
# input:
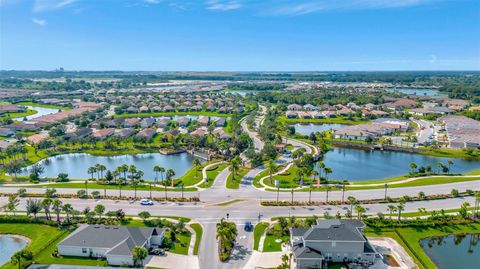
<point x="146" y="202"/>
<point x="248" y="226"/>
<point x="158" y="251"/>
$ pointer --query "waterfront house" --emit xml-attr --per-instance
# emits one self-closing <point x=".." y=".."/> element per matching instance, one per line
<point x="148" y="133"/>
<point x="183" y="121"/>
<point x="103" y="133"/>
<point x="332" y="240"/>
<point x="114" y="243"/>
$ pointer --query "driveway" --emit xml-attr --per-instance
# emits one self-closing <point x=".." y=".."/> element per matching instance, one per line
<point x="174" y="261"/>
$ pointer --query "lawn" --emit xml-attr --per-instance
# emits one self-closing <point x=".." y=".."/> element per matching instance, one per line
<point x="44" y="241"/>
<point x="271" y="246"/>
<point x="96" y="186"/>
<point x="25" y="113"/>
<point x="43" y="105"/>
<point x="198" y="236"/>
<point x="257" y="233"/>
<point x="410" y="238"/>
<point x="235" y="183"/>
<point x="212" y="174"/>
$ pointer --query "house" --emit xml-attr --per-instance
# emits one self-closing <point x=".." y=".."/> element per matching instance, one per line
<point x="4" y="144"/>
<point x="309" y="107"/>
<point x="81" y="133"/>
<point x="5" y="109"/>
<point x="220" y="122"/>
<point x="126" y="132"/>
<point x="6" y="132"/>
<point x="130" y="122"/>
<point x="147" y="122"/>
<point x="220" y="133"/>
<point x="103" y="133"/>
<point x="291" y="114"/>
<point x="294" y="107"/>
<point x="115" y="243"/>
<point x="332" y="240"/>
<point x="280" y="148"/>
<point x="148" y="133"/>
<point x="162" y="123"/>
<point x="183" y="121"/>
<point x="37" y="138"/>
<point x="200" y="132"/>
<point x="203" y="120"/>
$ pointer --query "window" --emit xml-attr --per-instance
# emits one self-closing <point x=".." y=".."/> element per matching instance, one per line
<point x="84" y="250"/>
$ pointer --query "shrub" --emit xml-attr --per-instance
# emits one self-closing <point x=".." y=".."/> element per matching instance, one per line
<point x="82" y="194"/>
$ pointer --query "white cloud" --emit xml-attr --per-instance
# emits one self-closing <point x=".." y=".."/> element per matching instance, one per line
<point x="152" y="1"/>
<point x="221" y="5"/>
<point x="39" y="22"/>
<point x="46" y="5"/>
<point x="310" y="6"/>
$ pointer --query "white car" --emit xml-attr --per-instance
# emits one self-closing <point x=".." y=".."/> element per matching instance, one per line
<point x="146" y="202"/>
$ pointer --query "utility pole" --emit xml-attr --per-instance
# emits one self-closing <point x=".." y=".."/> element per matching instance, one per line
<point x="150" y="190"/>
<point x="310" y="194"/>
<point x="386" y="187"/>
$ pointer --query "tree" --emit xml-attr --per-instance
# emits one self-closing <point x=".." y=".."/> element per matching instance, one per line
<point x="272" y="169"/>
<point x="327" y="171"/>
<point x="57" y="208"/>
<point x="139" y="254"/>
<point x="400" y="208"/>
<point x="33" y="207"/>
<point x="21" y="256"/>
<point x="226" y="235"/>
<point x="156" y="169"/>
<point x="360" y="211"/>
<point x="170" y="175"/>
<point x="144" y="215"/>
<point x="392" y="209"/>
<point x="327" y="189"/>
<point x="46" y="204"/>
<point x="36" y="170"/>
<point x="13" y="168"/>
<point x="91" y="170"/>
<point x="12" y="203"/>
<point x="99" y="210"/>
<point x="477" y="204"/>
<point x="198" y="164"/>
<point x="464" y="210"/>
<point x="412" y="166"/>
<point x="449" y="163"/>
<point x="68" y="209"/>
<point x="135" y="184"/>
<point x="62" y="177"/>
<point x="352" y="201"/>
<point x="234" y="166"/>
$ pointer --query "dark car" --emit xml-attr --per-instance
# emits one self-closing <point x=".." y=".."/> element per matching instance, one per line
<point x="248" y="226"/>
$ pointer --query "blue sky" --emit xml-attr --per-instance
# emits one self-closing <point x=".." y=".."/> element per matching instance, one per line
<point x="240" y="35"/>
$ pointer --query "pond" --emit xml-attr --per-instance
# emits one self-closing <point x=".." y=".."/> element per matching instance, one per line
<point x="77" y="164"/>
<point x="9" y="245"/>
<point x="41" y="111"/>
<point x="361" y="165"/>
<point x="307" y="129"/>
<point x="426" y="92"/>
<point x="453" y="251"/>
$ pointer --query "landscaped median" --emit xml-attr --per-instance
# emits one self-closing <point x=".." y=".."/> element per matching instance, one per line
<point x="234" y="183"/>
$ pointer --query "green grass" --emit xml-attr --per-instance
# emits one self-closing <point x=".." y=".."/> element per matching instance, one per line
<point x="191" y="177"/>
<point x="198" y="236"/>
<point x="410" y="238"/>
<point x="43" y="105"/>
<point x="449" y="153"/>
<point x="257" y="233"/>
<point x="171" y="114"/>
<point x="271" y="246"/>
<point x="181" y="245"/>
<point x="212" y="174"/>
<point x="44" y="241"/>
<point x="421" y="182"/>
<point x="25" y="113"/>
<point x="234" y="184"/>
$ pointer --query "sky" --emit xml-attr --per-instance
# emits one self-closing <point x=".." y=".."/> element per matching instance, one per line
<point x="240" y="35"/>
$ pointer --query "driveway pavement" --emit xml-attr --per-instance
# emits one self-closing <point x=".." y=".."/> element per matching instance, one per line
<point x="173" y="261"/>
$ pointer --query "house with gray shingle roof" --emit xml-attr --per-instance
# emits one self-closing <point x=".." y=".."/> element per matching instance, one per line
<point x="115" y="243"/>
<point x="332" y="240"/>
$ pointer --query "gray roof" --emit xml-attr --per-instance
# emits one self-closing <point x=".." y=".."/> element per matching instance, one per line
<point x="333" y="230"/>
<point x="119" y="239"/>
<point x="303" y="252"/>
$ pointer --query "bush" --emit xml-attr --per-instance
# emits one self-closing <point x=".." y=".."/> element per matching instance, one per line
<point x="82" y="194"/>
<point x="26" y="220"/>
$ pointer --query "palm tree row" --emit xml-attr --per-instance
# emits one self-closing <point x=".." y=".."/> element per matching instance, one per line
<point x="226" y="235"/>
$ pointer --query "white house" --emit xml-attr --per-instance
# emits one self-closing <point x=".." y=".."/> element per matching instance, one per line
<point x="115" y="243"/>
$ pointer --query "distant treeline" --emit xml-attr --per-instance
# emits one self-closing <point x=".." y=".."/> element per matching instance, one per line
<point x="256" y="86"/>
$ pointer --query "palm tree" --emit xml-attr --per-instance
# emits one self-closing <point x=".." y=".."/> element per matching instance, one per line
<point x="135" y="184"/>
<point x="197" y="163"/>
<point x="315" y="174"/>
<point x="449" y="163"/>
<point x="360" y="210"/>
<point x="412" y="166"/>
<point x="440" y="166"/>
<point x="139" y="254"/>
<point x="156" y="169"/>
<point x="120" y="182"/>
<point x="170" y="175"/>
<point x="46" y="204"/>
<point x="99" y="210"/>
<point x="33" y="207"/>
<point x="234" y="166"/>
<point x="392" y="209"/>
<point x="400" y="208"/>
<point x="67" y="208"/>
<point x="477" y="204"/>
<point x="102" y="169"/>
<point x="321" y="166"/>
<point x="161" y="170"/>
<point x="132" y="169"/>
<point x="123" y="169"/>
<point x="92" y="170"/>
<point x="328" y="170"/>
<point x="352" y="202"/>
<point x="57" y="208"/>
<point x="272" y="169"/>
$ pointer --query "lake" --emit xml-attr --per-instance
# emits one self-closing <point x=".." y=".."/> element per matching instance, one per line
<point x="77" y="164"/>
<point x="426" y="92"/>
<point x="9" y="245"/>
<point x="41" y="111"/>
<point x="307" y="129"/>
<point x="361" y="165"/>
<point x="453" y="251"/>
